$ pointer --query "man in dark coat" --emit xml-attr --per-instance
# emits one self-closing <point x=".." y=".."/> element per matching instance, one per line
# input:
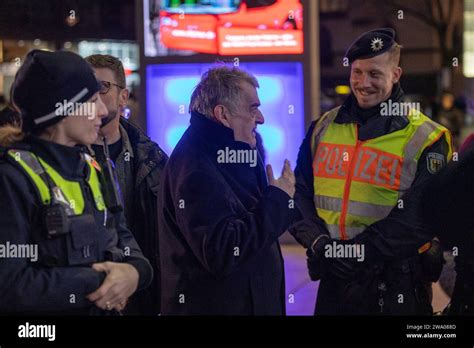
<point x="139" y="163"/>
<point x="447" y="207"/>
<point x="219" y="219"/>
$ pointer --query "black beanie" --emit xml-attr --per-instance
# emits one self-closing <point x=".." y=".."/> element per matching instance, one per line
<point x="47" y="78"/>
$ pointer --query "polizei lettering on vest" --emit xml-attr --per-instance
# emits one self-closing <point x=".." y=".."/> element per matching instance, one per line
<point x="372" y="165"/>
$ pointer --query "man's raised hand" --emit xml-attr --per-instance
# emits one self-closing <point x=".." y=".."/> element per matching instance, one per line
<point x="286" y="181"/>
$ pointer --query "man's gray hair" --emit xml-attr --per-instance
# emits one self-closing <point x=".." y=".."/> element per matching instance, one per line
<point x="220" y="85"/>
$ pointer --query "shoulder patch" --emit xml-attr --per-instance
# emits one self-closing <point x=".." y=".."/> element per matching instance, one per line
<point x="434" y="162"/>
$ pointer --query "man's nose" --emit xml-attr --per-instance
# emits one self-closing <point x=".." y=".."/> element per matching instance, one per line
<point x="260" y="119"/>
<point x="365" y="80"/>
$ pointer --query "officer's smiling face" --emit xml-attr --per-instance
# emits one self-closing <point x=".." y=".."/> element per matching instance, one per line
<point x="372" y="79"/>
<point x="83" y="128"/>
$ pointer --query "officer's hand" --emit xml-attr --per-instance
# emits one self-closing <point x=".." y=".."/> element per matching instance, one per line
<point x="119" y="284"/>
<point x="432" y="261"/>
<point x="316" y="266"/>
<point x="316" y="261"/>
<point x="286" y="181"/>
<point x="337" y="268"/>
<point x="307" y="231"/>
<point x="121" y="306"/>
<point x="343" y="268"/>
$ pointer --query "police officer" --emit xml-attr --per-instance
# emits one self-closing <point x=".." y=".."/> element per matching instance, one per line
<point x="447" y="208"/>
<point x="357" y="161"/>
<point x="61" y="250"/>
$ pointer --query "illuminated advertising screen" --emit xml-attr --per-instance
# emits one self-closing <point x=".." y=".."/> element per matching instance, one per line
<point x="223" y="27"/>
<point x="169" y="88"/>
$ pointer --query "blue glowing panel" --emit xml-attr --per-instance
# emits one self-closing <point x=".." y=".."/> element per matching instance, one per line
<point x="169" y="89"/>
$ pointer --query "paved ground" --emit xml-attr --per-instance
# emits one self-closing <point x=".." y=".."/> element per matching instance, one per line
<point x="301" y="291"/>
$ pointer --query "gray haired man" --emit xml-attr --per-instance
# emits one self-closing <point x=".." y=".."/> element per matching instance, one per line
<point x="219" y="217"/>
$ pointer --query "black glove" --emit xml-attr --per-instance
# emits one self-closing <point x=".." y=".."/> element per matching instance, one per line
<point x="343" y="268"/>
<point x="320" y="266"/>
<point x="306" y="231"/>
<point x="432" y="261"/>
<point x="316" y="266"/>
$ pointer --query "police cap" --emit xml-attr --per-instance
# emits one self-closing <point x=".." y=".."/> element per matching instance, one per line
<point x="371" y="44"/>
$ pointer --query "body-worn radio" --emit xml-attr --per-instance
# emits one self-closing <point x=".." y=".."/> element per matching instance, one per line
<point x="56" y="220"/>
<point x="56" y="215"/>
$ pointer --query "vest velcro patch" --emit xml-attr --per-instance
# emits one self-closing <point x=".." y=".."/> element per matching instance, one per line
<point x="371" y="165"/>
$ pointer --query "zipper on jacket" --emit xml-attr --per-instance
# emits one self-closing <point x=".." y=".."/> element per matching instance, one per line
<point x="347" y="187"/>
<point x="382" y="289"/>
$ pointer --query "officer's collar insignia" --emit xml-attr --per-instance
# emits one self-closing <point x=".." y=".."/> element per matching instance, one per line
<point x="376" y="44"/>
<point x="92" y="161"/>
<point x="434" y="162"/>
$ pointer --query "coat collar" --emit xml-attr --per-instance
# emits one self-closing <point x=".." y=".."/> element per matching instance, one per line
<point x="67" y="160"/>
<point x="216" y="137"/>
<point x="215" y="134"/>
<point x="126" y="144"/>
<point x="148" y="156"/>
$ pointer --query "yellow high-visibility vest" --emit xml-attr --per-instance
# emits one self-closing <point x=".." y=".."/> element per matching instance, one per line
<point x="70" y="193"/>
<point x="357" y="183"/>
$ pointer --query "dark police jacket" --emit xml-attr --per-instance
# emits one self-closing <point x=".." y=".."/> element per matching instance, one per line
<point x="59" y="281"/>
<point x="219" y="225"/>
<point x="391" y="244"/>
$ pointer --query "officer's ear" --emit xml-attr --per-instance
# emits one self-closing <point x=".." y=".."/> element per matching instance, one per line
<point x="397" y="73"/>
<point x="221" y="114"/>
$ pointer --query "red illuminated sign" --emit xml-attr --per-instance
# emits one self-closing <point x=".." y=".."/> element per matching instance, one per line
<point x="272" y="29"/>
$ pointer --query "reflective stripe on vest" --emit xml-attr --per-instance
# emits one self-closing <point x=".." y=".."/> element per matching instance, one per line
<point x="357" y="183"/>
<point x="71" y="189"/>
<point x="351" y="232"/>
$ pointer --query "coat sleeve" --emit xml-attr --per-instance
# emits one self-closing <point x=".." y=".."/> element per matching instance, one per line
<point x="304" y="195"/>
<point x="448" y="204"/>
<point x="309" y="224"/>
<point x="403" y="232"/>
<point x="27" y="286"/>
<point x="221" y="234"/>
<point x="133" y="253"/>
